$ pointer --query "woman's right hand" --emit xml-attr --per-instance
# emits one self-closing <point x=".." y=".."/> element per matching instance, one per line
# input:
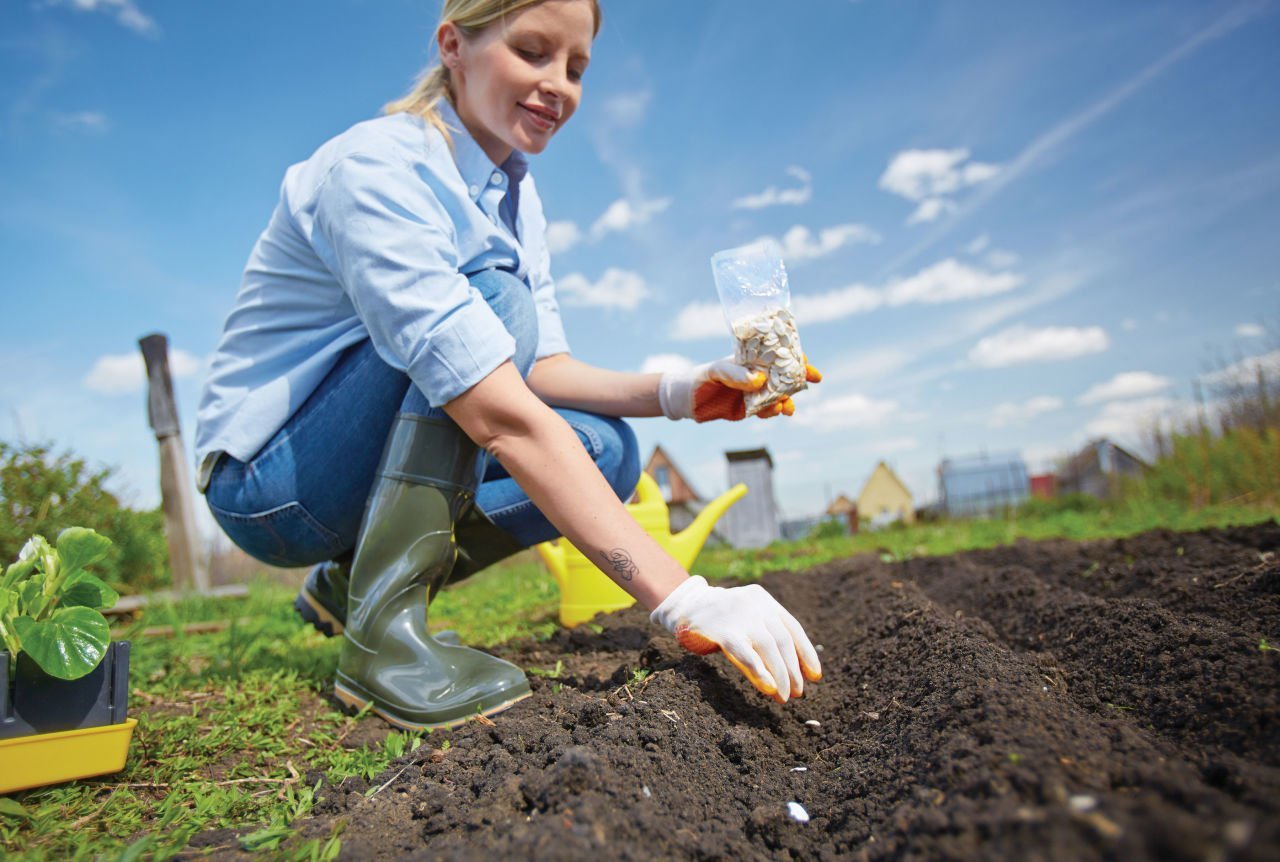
<point x="754" y="631"/>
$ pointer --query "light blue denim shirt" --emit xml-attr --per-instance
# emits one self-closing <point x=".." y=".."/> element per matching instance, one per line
<point x="374" y="237"/>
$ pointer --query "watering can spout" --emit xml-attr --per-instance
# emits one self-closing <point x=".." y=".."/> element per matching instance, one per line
<point x="686" y="544"/>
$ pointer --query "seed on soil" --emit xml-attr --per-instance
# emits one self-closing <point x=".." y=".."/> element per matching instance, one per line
<point x="813" y="723"/>
<point x="1082" y="803"/>
<point x="797" y="812"/>
<point x="799" y="769"/>
<point x="644" y="788"/>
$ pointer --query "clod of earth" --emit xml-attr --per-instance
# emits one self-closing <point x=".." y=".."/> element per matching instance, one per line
<point x="973" y="754"/>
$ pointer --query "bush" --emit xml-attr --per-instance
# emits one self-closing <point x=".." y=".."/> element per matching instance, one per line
<point x="831" y="528"/>
<point x="45" y="492"/>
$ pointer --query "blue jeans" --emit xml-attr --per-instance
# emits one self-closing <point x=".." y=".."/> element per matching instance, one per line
<point x="299" y="500"/>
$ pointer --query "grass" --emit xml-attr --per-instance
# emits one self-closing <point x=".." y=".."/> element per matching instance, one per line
<point x="235" y="726"/>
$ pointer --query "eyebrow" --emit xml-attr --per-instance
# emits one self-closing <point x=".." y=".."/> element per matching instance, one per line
<point x="542" y="37"/>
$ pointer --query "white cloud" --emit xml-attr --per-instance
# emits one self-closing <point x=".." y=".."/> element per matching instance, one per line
<point x="998" y="258"/>
<point x="562" y="236"/>
<point x="1245" y="372"/>
<point x="1130" y="419"/>
<point x="700" y="320"/>
<point x="978" y="245"/>
<point x="948" y="281"/>
<point x="626" y="110"/>
<point x="920" y="174"/>
<point x="126" y="12"/>
<point x="773" y="196"/>
<point x="931" y="209"/>
<point x="1130" y="384"/>
<point x="1013" y="413"/>
<point x="661" y="363"/>
<point x="622" y="215"/>
<point x="835" y="304"/>
<point x="117" y="374"/>
<point x="1021" y="344"/>
<point x="845" y="411"/>
<point x="617" y="288"/>
<point x="800" y="244"/>
<point x="90" y="122"/>
<point x="1250" y="330"/>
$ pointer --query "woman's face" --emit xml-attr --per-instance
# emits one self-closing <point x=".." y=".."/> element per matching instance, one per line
<point x="519" y="80"/>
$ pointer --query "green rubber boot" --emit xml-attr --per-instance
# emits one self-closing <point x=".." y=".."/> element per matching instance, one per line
<point x="322" y="599"/>
<point x="406" y="551"/>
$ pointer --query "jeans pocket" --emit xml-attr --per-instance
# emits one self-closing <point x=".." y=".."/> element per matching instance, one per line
<point x="287" y="535"/>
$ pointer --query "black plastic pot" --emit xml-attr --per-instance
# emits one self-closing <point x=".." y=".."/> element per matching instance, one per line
<point x="32" y="702"/>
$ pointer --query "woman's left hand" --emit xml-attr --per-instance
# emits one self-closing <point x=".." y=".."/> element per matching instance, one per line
<point x="715" y="390"/>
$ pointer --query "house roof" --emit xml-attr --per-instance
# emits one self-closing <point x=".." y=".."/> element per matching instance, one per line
<point x="841" y="505"/>
<point x="888" y="471"/>
<point x="749" y="455"/>
<point x="660" y="456"/>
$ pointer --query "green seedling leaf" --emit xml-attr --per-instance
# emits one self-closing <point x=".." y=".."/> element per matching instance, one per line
<point x="79" y="547"/>
<point x="69" y="644"/>
<point x="31" y="595"/>
<point x="16" y="572"/>
<point x="85" y="590"/>
<point x="11" y="809"/>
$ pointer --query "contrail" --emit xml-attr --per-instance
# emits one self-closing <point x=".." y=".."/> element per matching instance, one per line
<point x="1075" y="124"/>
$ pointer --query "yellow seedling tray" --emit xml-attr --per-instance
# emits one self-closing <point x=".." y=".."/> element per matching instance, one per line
<point x="51" y="758"/>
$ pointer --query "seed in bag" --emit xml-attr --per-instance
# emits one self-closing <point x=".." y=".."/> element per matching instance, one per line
<point x="769" y="342"/>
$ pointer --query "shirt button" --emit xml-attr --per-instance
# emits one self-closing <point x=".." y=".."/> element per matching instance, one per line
<point x="475" y="190"/>
<point x="497" y="178"/>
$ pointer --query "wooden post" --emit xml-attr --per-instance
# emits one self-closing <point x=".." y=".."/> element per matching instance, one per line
<point x="177" y="492"/>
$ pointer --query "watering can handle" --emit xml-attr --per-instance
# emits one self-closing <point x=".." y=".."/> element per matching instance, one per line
<point x="647" y="490"/>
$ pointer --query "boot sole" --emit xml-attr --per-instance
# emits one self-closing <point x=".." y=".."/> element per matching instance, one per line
<point x="320" y="618"/>
<point x="357" y="702"/>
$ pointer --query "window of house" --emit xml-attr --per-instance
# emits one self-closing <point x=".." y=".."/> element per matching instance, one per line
<point x="663" y="477"/>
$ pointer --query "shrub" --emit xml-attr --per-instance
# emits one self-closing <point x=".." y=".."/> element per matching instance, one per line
<point x="45" y="492"/>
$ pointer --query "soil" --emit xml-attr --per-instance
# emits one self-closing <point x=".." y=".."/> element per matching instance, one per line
<point x="1042" y="701"/>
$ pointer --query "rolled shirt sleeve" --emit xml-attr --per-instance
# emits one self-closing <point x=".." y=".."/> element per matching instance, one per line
<point x="388" y="239"/>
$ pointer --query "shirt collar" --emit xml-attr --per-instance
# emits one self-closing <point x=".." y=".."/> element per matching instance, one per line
<point x="473" y="164"/>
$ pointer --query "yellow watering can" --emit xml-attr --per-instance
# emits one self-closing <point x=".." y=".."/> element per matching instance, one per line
<point x="586" y="591"/>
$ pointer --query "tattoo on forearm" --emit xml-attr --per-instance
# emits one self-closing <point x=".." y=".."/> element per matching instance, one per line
<point x="622" y="563"/>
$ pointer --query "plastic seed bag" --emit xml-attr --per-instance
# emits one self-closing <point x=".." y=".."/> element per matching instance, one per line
<point x="751" y="281"/>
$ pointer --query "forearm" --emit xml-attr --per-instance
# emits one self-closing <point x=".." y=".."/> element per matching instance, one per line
<point x="562" y="381"/>
<point x="545" y="457"/>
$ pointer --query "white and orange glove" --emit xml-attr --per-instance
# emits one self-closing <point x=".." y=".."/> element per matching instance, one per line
<point x="714" y="391"/>
<point x="756" y="633"/>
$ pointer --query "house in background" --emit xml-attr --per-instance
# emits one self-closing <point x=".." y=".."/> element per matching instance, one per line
<point x="982" y="484"/>
<point x="1044" y="486"/>
<point x="682" y="501"/>
<point x="846" y="510"/>
<point x="753" y="521"/>
<point x="1096" y="469"/>
<point x="885" y="499"/>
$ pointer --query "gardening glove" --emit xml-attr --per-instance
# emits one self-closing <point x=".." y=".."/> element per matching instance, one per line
<point x="714" y="391"/>
<point x="756" y="633"/>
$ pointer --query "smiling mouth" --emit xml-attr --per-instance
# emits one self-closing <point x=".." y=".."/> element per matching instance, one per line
<point x="542" y="118"/>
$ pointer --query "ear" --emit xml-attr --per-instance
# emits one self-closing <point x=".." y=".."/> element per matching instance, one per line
<point x="449" y="41"/>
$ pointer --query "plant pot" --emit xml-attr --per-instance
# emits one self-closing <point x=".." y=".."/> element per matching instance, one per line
<point x="55" y="729"/>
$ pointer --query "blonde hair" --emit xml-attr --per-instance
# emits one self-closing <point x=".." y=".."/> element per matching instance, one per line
<point x="471" y="17"/>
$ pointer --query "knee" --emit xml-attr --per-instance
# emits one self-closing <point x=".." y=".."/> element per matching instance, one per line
<point x="512" y="301"/>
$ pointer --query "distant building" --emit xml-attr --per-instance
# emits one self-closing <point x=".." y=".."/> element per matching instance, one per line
<point x="1095" y="469"/>
<point x="1044" y="486"/>
<point x="682" y="501"/>
<point x="753" y="521"/>
<point x="845" y="509"/>
<point x="885" y="499"/>
<point x="982" y="484"/>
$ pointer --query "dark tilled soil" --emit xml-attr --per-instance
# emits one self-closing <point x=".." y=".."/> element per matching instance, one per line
<point x="1056" y="700"/>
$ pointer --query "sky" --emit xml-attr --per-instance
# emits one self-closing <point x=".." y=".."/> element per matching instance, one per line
<point x="1008" y="227"/>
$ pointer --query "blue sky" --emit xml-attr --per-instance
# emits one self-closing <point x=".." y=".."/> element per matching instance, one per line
<point x="1009" y="226"/>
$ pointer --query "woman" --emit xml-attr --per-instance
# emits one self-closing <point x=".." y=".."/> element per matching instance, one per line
<point x="396" y="322"/>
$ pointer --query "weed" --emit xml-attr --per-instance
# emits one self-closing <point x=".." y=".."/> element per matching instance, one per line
<point x="552" y="673"/>
<point x="1263" y="646"/>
